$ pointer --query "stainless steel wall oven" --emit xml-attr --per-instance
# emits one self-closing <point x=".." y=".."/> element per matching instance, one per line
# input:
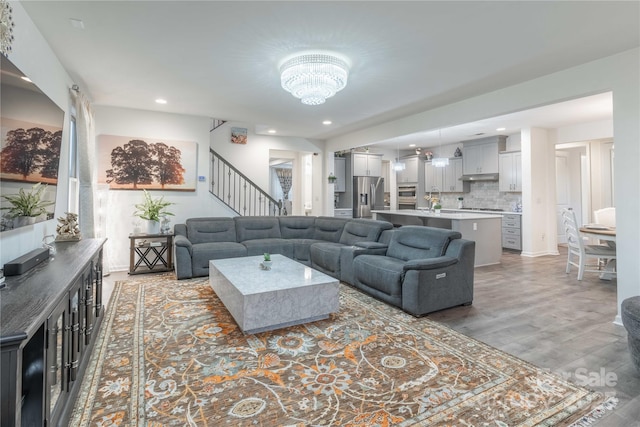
<point x="406" y="197"/>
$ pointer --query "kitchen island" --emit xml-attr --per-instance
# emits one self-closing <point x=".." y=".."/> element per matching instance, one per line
<point x="484" y="229"/>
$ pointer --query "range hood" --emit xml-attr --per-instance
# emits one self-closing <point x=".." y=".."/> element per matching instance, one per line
<point x="480" y="177"/>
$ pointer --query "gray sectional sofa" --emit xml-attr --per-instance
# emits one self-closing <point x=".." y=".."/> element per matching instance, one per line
<point x="398" y="266"/>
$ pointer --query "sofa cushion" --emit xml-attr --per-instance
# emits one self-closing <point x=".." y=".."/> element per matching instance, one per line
<point x="358" y="230"/>
<point x="297" y="227"/>
<point x="325" y="256"/>
<point x="201" y="230"/>
<point x="329" y="229"/>
<point x="204" y="252"/>
<point x="302" y="249"/>
<point x="273" y="246"/>
<point x="417" y="242"/>
<point x="379" y="272"/>
<point x="254" y="227"/>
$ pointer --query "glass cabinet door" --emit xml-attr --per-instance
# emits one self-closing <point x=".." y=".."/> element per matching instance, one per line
<point x="57" y="361"/>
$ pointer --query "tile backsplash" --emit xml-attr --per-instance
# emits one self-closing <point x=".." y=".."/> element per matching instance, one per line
<point x="483" y="195"/>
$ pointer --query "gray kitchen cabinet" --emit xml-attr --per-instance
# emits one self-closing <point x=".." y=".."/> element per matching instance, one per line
<point x="512" y="231"/>
<point x="481" y="156"/>
<point x="511" y="172"/>
<point x="433" y="177"/>
<point x="365" y="164"/>
<point x="339" y="170"/>
<point x="446" y="179"/>
<point x="451" y="177"/>
<point x="410" y="172"/>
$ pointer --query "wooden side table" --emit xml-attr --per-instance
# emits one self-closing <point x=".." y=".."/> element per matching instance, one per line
<point x="150" y="253"/>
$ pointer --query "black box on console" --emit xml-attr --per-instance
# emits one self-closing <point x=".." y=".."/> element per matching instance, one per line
<point x="26" y="262"/>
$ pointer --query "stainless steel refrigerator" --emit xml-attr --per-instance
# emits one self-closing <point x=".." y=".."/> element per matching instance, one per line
<point x="368" y="195"/>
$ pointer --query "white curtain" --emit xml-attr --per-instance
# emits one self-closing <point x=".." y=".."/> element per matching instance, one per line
<point x="284" y="176"/>
<point x="87" y="174"/>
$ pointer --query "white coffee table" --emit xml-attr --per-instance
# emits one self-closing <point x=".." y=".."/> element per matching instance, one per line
<point x="262" y="300"/>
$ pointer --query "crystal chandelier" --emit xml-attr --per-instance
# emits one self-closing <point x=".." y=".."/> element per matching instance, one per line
<point x="6" y="27"/>
<point x="314" y="77"/>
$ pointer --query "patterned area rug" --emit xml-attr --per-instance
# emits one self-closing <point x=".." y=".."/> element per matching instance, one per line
<point x="169" y="353"/>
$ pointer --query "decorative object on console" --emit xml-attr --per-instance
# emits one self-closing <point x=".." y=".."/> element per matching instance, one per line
<point x="68" y="228"/>
<point x="314" y="76"/>
<point x="151" y="210"/>
<point x="332" y="178"/>
<point x="6" y="27"/>
<point x="47" y="245"/>
<point x="458" y="152"/>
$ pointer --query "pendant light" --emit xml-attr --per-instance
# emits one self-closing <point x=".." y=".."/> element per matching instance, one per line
<point x="398" y="166"/>
<point x="440" y="162"/>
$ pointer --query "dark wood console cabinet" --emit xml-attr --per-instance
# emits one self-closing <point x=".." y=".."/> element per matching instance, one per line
<point x="49" y="320"/>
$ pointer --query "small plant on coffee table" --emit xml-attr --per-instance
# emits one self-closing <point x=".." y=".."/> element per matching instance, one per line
<point x="267" y="256"/>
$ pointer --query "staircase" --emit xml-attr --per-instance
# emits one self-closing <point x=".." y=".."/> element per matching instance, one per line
<point x="237" y="191"/>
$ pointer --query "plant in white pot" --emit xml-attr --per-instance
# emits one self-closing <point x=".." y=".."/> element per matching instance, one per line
<point x="27" y="205"/>
<point x="152" y="210"/>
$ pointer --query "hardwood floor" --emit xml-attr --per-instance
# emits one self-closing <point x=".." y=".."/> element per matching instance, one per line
<point x="530" y="308"/>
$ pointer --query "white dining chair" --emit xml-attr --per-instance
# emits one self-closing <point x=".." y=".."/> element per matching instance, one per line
<point x="583" y="252"/>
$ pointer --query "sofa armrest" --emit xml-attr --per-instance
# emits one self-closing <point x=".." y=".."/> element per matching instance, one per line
<point x="429" y="263"/>
<point x="183" y="251"/>
<point x="183" y="242"/>
<point x="348" y="254"/>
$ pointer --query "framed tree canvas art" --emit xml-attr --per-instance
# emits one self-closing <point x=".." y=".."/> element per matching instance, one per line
<point x="130" y="163"/>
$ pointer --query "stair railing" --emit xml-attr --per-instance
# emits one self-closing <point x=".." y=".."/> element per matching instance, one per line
<point x="237" y="191"/>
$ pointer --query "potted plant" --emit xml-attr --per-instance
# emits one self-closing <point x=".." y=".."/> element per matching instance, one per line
<point x="151" y="210"/>
<point x="267" y="261"/>
<point x="332" y="178"/>
<point x="27" y="205"/>
<point x="437" y="208"/>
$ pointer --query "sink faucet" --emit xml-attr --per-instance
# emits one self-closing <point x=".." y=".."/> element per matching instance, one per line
<point x="434" y="188"/>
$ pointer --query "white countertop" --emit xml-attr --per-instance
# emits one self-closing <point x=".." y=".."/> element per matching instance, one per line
<point x="461" y="215"/>
<point x="482" y="211"/>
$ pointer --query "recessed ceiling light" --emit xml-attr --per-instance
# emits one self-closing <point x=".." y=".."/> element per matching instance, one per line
<point x="327" y="122"/>
<point x="412" y="145"/>
<point x="26" y="79"/>
<point x="501" y="129"/>
<point x="161" y="101"/>
<point x="271" y="131"/>
<point x="77" y="23"/>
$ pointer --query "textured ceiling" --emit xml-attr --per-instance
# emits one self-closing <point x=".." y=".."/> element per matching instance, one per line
<point x="220" y="59"/>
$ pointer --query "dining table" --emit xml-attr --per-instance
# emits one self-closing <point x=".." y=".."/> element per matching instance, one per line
<point x="607" y="234"/>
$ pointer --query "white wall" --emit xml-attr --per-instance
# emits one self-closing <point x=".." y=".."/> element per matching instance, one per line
<point x="32" y="55"/>
<point x="252" y="159"/>
<point x="138" y="123"/>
